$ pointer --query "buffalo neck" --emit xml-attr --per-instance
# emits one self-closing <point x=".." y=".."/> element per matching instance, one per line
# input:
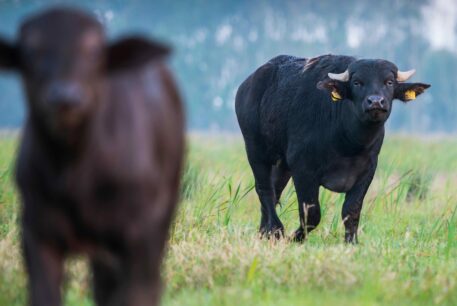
<point x="355" y="135"/>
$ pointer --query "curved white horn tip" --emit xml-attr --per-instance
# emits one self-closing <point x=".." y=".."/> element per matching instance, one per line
<point x="343" y="77"/>
<point x="405" y="75"/>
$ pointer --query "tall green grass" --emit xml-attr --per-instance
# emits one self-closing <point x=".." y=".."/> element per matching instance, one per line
<point x="408" y="235"/>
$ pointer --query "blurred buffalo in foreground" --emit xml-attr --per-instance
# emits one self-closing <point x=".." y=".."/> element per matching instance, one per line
<point x="100" y="157"/>
<point x="292" y="128"/>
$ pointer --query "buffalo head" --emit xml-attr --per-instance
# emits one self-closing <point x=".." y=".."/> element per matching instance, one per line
<point x="371" y="86"/>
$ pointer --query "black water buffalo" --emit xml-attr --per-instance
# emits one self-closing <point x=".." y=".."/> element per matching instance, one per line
<point x="99" y="162"/>
<point x="321" y="122"/>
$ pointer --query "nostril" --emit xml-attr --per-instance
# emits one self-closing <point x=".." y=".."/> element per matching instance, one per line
<point x="376" y="100"/>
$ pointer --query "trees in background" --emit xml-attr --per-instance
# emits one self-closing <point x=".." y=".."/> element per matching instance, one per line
<point x="218" y="43"/>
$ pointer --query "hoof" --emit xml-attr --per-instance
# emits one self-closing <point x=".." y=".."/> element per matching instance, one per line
<point x="276" y="232"/>
<point x="299" y="236"/>
<point x="351" y="238"/>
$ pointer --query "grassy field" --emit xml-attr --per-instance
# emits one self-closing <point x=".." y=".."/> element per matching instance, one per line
<point x="408" y="235"/>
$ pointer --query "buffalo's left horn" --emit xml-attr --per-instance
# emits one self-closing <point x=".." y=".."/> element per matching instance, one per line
<point x="342" y="77"/>
<point x="405" y="75"/>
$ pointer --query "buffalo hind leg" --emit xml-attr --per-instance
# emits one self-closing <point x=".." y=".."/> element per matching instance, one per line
<point x="280" y="177"/>
<point x="270" y="223"/>
<point x="308" y="205"/>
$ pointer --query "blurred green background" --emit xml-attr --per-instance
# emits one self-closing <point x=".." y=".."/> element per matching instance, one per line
<point x="219" y="43"/>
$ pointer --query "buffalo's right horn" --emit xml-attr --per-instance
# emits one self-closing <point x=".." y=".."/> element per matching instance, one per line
<point x="342" y="77"/>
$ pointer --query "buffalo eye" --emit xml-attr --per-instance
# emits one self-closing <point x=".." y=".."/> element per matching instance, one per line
<point x="357" y="83"/>
<point x="389" y="83"/>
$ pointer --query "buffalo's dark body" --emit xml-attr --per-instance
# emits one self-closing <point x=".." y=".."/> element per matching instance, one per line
<point x="293" y="129"/>
<point x="120" y="184"/>
<point x="113" y="196"/>
<point x="100" y="157"/>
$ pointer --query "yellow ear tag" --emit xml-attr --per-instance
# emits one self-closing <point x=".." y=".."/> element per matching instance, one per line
<point x="335" y="96"/>
<point x="410" y="95"/>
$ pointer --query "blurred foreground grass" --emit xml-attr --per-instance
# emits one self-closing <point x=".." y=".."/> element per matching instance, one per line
<point x="408" y="234"/>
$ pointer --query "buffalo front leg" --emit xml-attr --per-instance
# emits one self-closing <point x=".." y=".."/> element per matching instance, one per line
<point x="133" y="278"/>
<point x="270" y="223"/>
<point x="353" y="206"/>
<point x="308" y="204"/>
<point x="107" y="283"/>
<point x="143" y="285"/>
<point x="44" y="265"/>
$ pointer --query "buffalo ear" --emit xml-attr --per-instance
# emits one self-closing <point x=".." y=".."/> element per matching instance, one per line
<point x="336" y="88"/>
<point x="133" y="52"/>
<point x="8" y="56"/>
<point x="409" y="91"/>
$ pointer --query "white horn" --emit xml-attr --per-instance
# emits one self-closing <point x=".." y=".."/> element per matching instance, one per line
<point x="343" y="77"/>
<point x="405" y="75"/>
